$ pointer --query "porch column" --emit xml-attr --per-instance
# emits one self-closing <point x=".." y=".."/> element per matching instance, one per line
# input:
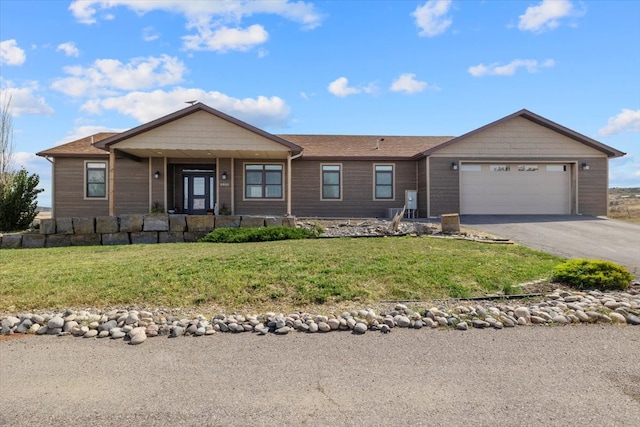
<point x="112" y="182"/>
<point x="289" y="184"/>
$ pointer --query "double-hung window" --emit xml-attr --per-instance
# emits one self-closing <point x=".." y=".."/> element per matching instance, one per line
<point x="263" y="181"/>
<point x="96" y="180"/>
<point x="383" y="182"/>
<point x="331" y="182"/>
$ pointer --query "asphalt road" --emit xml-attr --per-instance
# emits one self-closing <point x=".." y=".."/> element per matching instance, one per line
<point x="552" y="376"/>
<point x="567" y="236"/>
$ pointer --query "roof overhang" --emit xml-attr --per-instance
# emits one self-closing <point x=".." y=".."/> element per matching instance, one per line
<point x="200" y="154"/>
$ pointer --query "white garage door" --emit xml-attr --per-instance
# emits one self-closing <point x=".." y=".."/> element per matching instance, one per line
<point x="515" y="189"/>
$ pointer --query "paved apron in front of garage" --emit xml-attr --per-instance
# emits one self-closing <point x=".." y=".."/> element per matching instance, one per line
<point x="570" y="236"/>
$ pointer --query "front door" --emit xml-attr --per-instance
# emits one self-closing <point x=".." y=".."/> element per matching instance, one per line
<point x="199" y="191"/>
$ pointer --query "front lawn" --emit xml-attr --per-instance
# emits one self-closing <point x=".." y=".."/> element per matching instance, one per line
<point x="292" y="274"/>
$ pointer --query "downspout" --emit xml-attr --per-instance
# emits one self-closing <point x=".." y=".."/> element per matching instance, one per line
<point x="53" y="185"/>
<point x="112" y="182"/>
<point x="289" y="159"/>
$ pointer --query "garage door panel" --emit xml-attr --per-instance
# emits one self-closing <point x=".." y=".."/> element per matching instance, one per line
<point x="515" y="189"/>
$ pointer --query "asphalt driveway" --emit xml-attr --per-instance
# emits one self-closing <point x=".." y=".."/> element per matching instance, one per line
<point x="575" y="236"/>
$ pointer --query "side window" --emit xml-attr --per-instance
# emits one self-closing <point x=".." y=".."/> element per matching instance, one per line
<point x="331" y="182"/>
<point x="383" y="182"/>
<point x="263" y="181"/>
<point x="96" y="180"/>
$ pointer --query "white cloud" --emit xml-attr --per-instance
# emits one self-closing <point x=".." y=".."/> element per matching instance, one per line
<point x="150" y="34"/>
<point x="210" y="19"/>
<point x="626" y="121"/>
<point x="340" y="87"/>
<point x="146" y="106"/>
<point x="11" y="54"/>
<point x="546" y="15"/>
<point x="432" y="17"/>
<point x="24" y="101"/>
<point x="106" y="76"/>
<point x="83" y="131"/>
<point x="407" y="83"/>
<point x="69" y="49"/>
<point x="224" y="39"/>
<point x="531" y="65"/>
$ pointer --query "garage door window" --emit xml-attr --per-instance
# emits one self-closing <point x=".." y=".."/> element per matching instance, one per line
<point x="528" y="168"/>
<point x="471" y="168"/>
<point x="499" y="168"/>
<point x="556" y="168"/>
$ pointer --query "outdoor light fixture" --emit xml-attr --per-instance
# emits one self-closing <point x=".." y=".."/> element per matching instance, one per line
<point x="454" y="166"/>
<point x="156" y="175"/>
<point x="585" y="166"/>
<point x="223" y="176"/>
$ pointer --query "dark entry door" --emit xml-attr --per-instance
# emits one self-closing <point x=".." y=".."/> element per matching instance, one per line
<point x="199" y="191"/>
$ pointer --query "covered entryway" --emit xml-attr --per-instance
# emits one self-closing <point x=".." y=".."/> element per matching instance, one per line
<point x="515" y="188"/>
<point x="198" y="186"/>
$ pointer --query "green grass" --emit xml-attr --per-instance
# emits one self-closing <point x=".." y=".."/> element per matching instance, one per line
<point x="293" y="274"/>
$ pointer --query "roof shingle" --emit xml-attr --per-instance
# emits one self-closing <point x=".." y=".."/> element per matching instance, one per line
<point x="80" y="147"/>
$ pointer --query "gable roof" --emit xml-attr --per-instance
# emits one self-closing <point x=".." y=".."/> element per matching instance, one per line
<point x="190" y="110"/>
<point x="79" y="148"/>
<point x="363" y="147"/>
<point x="526" y="114"/>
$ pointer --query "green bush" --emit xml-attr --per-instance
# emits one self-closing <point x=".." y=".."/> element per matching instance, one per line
<point x="261" y="234"/>
<point x="18" y="202"/>
<point x="592" y="274"/>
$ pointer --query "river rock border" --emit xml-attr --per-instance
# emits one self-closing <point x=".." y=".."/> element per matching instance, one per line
<point x="135" y="326"/>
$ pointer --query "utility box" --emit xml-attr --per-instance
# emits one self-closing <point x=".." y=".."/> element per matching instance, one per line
<point x="411" y="203"/>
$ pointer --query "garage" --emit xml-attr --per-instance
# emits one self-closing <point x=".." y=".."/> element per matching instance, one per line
<point x="515" y="188"/>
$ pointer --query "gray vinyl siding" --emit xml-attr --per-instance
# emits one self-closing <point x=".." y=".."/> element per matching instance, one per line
<point x="422" y="188"/>
<point x="69" y="192"/>
<point x="357" y="189"/>
<point x="131" y="186"/>
<point x="445" y="186"/>
<point x="592" y="187"/>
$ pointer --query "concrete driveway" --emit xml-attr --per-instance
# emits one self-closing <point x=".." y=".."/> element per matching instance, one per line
<point x="567" y="236"/>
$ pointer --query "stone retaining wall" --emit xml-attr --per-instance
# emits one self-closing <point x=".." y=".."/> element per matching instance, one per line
<point x="132" y="229"/>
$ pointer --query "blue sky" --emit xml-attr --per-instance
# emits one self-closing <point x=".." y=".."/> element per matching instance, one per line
<point x="322" y="67"/>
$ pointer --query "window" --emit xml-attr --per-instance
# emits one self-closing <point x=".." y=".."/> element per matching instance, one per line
<point x="383" y="181"/>
<point x="499" y="168"/>
<point x="528" y="168"/>
<point x="263" y="181"/>
<point x="470" y="168"/>
<point x="96" y="180"/>
<point x="331" y="182"/>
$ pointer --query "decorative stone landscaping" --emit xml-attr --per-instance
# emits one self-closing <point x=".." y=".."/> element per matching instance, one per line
<point x="558" y="308"/>
<point x="132" y="229"/>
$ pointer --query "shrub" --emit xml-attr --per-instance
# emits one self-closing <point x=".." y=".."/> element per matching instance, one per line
<point x="261" y="234"/>
<point x="18" y="202"/>
<point x="592" y="274"/>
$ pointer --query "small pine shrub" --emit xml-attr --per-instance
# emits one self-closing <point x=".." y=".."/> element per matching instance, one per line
<point x="261" y="234"/>
<point x="592" y="274"/>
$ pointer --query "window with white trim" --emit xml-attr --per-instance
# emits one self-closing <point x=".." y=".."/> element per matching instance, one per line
<point x="263" y="181"/>
<point x="331" y="182"/>
<point x="95" y="180"/>
<point x="383" y="182"/>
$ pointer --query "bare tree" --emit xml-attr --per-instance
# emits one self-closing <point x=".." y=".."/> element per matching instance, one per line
<point x="6" y="140"/>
